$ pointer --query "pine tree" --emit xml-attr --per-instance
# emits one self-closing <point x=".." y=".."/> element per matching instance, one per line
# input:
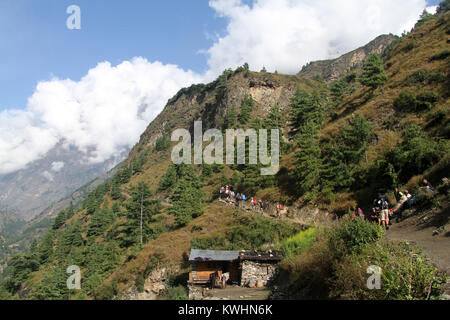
<point x="444" y="7"/>
<point x="100" y="221"/>
<point x="424" y="17"/>
<point x="231" y="117"/>
<point x="308" y="160"/>
<point x="373" y="74"/>
<point x="116" y="192"/>
<point x="246" y="109"/>
<point x="169" y="179"/>
<point x="59" y="220"/>
<point x="354" y="139"/>
<point x="72" y="237"/>
<point x="305" y="108"/>
<point x="140" y="210"/>
<point x="45" y="248"/>
<point x="187" y="198"/>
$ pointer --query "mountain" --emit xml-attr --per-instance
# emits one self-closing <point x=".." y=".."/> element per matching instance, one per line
<point x="332" y="70"/>
<point x="17" y="235"/>
<point x="343" y="143"/>
<point x="63" y="170"/>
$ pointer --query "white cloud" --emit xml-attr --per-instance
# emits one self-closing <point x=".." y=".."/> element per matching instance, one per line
<point x="284" y="35"/>
<point x="47" y="175"/>
<point x="102" y="115"/>
<point x="57" y="166"/>
<point x="432" y="9"/>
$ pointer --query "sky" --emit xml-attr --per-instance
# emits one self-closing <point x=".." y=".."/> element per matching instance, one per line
<point x="99" y="87"/>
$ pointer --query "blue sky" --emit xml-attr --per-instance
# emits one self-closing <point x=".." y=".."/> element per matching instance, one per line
<point x="35" y="43"/>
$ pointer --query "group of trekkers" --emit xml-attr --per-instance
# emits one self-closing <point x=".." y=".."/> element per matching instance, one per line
<point x="239" y="198"/>
<point x="382" y="210"/>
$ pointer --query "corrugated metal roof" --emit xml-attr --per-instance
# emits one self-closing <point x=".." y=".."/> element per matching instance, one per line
<point x="213" y="255"/>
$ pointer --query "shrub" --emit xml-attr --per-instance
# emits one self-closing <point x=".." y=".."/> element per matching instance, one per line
<point x="176" y="293"/>
<point x="296" y="244"/>
<point x="436" y="77"/>
<point x="321" y="273"/>
<point x="405" y="102"/>
<point x="410" y="46"/>
<point x="106" y="292"/>
<point x="162" y="143"/>
<point x="417" y="77"/>
<point x="441" y="55"/>
<point x="140" y="282"/>
<point x="406" y="274"/>
<point x="426" y="100"/>
<point x="353" y="236"/>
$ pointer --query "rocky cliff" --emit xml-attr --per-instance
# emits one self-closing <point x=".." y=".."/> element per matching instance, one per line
<point x="331" y="70"/>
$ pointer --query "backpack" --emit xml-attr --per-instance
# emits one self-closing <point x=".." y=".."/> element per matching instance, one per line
<point x="243" y="197"/>
<point x="280" y="206"/>
<point x="359" y="213"/>
<point x="384" y="204"/>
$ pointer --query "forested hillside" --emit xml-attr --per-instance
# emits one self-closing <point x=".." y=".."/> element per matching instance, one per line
<point x="342" y="144"/>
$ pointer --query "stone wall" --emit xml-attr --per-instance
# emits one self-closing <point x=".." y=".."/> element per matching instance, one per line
<point x="195" y="292"/>
<point x="255" y="271"/>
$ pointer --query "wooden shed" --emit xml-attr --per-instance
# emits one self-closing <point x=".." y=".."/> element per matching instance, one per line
<point x="204" y="263"/>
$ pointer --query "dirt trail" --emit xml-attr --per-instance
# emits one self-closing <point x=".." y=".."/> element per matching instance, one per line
<point x="430" y="230"/>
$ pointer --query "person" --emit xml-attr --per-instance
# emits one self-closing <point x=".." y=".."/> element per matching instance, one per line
<point x="374" y="215"/>
<point x="254" y="202"/>
<point x="261" y="205"/>
<point x="428" y="186"/>
<point x="238" y="199"/>
<point x="401" y="198"/>
<point x="383" y="219"/>
<point x="359" y="213"/>
<point x="279" y="209"/>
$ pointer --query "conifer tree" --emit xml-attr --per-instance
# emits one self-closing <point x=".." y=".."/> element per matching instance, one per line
<point x="308" y="160"/>
<point x="373" y="74"/>
<point x="188" y="197"/>
<point x="305" y="108"/>
<point x="140" y="210"/>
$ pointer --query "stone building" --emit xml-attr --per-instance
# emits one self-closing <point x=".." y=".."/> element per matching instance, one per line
<point x="242" y="266"/>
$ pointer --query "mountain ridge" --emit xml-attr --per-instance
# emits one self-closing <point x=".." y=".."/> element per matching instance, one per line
<point x="334" y="69"/>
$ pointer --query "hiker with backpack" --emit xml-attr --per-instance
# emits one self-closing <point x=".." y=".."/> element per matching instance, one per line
<point x="383" y="218"/>
<point x="359" y="213"/>
<point x="261" y="206"/>
<point x="279" y="209"/>
<point x="254" y="203"/>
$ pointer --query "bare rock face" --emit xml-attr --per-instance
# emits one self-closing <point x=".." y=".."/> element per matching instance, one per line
<point x="154" y="286"/>
<point x="156" y="281"/>
<point x="332" y="70"/>
<point x="311" y="216"/>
